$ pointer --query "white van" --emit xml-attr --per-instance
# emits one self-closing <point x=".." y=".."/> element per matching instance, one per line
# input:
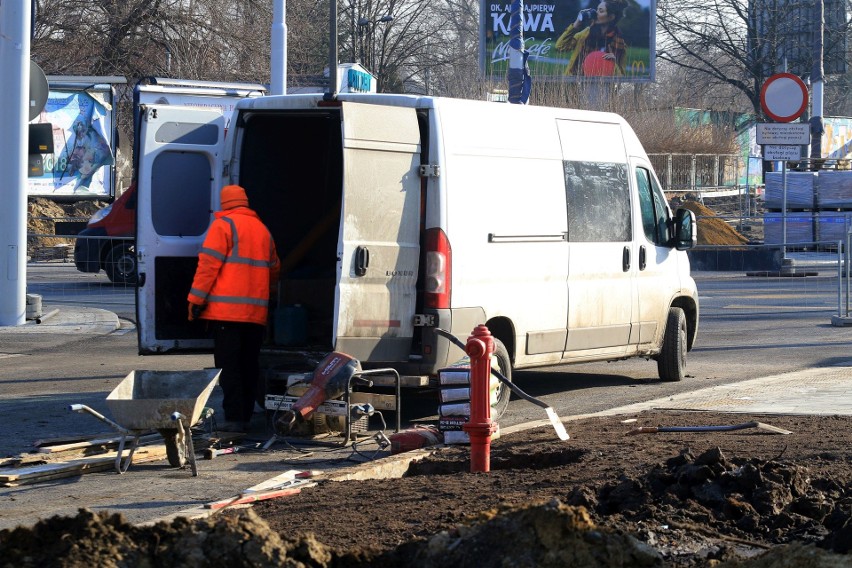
<point x="395" y="215"/>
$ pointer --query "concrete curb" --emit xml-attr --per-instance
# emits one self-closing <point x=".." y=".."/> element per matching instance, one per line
<point x="66" y="320"/>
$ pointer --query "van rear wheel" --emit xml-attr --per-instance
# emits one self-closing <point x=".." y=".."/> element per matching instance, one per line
<point x="671" y="362"/>
<point x="504" y="393"/>
<point x="120" y="265"/>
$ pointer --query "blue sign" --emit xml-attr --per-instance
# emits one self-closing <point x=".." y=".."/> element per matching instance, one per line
<point x="359" y="82"/>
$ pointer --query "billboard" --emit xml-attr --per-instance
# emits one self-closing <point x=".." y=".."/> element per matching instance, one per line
<point x="81" y="163"/>
<point x="572" y="40"/>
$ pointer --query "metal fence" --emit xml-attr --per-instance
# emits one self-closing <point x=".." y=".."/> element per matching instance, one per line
<point x="53" y="275"/>
<point x="697" y="172"/>
<point x="818" y="279"/>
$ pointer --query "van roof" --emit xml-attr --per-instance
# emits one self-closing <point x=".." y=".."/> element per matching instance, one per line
<point x="312" y="100"/>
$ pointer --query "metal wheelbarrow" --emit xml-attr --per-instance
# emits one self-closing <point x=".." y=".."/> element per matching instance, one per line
<point x="170" y="402"/>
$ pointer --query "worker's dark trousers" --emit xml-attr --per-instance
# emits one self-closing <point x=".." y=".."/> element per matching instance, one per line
<point x="237" y="349"/>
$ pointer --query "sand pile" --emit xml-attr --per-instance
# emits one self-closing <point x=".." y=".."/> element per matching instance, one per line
<point x="711" y="229"/>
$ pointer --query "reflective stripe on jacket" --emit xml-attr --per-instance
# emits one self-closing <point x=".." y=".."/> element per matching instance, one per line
<point x="237" y="266"/>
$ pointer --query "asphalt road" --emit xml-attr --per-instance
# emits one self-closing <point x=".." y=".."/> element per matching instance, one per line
<point x="750" y="327"/>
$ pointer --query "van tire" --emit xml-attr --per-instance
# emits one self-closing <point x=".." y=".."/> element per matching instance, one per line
<point x="504" y="393"/>
<point x="120" y="265"/>
<point x="671" y="362"/>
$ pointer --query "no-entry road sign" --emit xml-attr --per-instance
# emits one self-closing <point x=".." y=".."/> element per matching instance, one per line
<point x="784" y="97"/>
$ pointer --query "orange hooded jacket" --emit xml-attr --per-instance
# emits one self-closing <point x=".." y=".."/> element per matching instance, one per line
<point x="237" y="267"/>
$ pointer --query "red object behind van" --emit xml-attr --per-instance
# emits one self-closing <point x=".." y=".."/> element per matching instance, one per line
<point x="107" y="242"/>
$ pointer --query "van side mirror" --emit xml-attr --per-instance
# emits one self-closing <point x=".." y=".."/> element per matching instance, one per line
<point x="685" y="230"/>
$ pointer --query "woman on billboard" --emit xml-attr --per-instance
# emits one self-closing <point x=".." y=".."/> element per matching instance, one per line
<point x="598" y="46"/>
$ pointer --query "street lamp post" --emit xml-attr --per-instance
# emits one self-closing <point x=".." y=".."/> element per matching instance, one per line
<point x="352" y="29"/>
<point x="367" y="59"/>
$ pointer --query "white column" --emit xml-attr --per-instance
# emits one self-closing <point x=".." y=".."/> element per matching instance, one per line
<point x="14" y="100"/>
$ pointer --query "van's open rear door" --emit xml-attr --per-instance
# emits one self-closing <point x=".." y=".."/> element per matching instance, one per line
<point x="380" y="235"/>
<point x="179" y="175"/>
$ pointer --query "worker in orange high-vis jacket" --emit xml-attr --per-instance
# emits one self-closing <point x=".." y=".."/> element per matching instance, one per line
<point x="236" y="275"/>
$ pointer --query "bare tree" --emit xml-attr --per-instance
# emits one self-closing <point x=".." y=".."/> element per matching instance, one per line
<point x="214" y="39"/>
<point x="725" y="45"/>
<point x="391" y="38"/>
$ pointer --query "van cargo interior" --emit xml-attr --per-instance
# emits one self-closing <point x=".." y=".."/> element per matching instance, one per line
<point x="291" y="168"/>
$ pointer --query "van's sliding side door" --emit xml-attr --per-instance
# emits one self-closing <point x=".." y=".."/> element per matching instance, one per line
<point x="178" y="181"/>
<point x="379" y="248"/>
<point x="602" y="262"/>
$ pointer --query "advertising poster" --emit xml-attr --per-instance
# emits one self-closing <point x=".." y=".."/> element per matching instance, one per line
<point x="82" y="158"/>
<point x="572" y="40"/>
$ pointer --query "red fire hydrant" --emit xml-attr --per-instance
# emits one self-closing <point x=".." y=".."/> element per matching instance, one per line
<point x="479" y="347"/>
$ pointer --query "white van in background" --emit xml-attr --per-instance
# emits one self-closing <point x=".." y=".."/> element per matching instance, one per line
<point x="395" y="215"/>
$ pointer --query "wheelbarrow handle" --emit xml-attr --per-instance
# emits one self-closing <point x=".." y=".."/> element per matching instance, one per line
<point x="99" y="416"/>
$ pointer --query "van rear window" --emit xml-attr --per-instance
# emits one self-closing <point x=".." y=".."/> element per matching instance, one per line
<point x="180" y="193"/>
<point x="598" y="198"/>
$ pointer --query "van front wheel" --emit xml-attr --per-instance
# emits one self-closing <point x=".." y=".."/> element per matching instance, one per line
<point x="504" y="393"/>
<point x="671" y="362"/>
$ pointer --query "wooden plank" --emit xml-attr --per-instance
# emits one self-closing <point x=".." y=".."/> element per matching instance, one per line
<point x="94" y="468"/>
<point x="69" y="439"/>
<point x="47" y="472"/>
<point x="104" y="443"/>
<point x="279" y="480"/>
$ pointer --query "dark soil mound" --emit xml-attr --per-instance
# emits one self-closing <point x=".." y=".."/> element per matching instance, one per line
<point x="744" y="498"/>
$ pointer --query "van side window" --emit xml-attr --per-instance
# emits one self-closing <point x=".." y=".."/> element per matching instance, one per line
<point x="598" y="198"/>
<point x="180" y="193"/>
<point x="655" y="214"/>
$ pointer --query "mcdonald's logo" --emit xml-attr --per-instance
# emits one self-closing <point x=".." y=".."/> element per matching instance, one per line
<point x="637" y="66"/>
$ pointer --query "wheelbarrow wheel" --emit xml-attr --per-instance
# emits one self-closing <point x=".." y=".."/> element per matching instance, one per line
<point x="175" y="440"/>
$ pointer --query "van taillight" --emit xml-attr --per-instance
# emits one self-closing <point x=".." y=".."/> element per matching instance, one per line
<point x="438" y="269"/>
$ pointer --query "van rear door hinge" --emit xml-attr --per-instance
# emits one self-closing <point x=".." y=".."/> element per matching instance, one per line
<point x="423" y="320"/>
<point x="430" y="170"/>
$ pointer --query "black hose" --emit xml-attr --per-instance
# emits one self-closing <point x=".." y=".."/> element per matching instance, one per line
<point x="512" y="387"/>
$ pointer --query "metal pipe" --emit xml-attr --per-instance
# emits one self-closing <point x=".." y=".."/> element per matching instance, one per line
<point x="49" y="314"/>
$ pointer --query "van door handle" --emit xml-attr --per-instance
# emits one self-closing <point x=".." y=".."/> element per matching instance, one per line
<point x="643" y="261"/>
<point x="625" y="259"/>
<point x="362" y="260"/>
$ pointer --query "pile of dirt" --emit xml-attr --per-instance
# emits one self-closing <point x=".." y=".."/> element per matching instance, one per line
<point x="542" y="535"/>
<point x="739" y="499"/>
<point x="711" y="229"/>
<point x="43" y="215"/>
